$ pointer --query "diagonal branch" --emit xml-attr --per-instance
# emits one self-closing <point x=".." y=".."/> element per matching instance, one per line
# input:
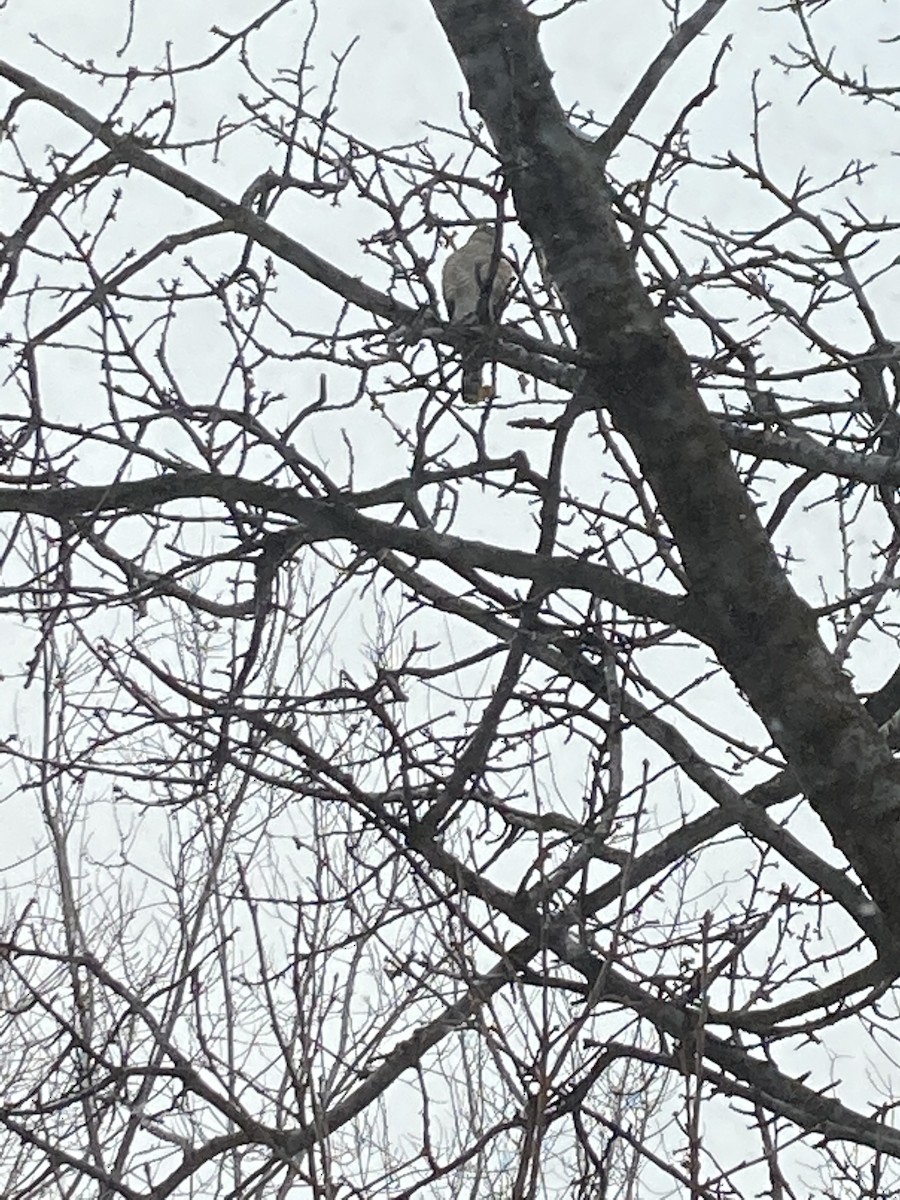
<point x="514" y="348"/>
<point x="653" y="76"/>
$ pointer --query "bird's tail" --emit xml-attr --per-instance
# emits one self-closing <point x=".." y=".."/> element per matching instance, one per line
<point x="472" y="368"/>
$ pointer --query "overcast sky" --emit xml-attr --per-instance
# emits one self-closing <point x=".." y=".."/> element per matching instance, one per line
<point x="401" y="73"/>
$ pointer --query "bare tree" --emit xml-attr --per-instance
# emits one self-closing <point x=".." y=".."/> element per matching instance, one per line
<point x="411" y="798"/>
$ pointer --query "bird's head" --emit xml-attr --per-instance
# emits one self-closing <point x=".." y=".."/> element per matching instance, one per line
<point x="484" y="232"/>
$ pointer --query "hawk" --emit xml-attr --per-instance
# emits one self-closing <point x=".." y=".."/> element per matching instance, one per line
<point x="475" y="281"/>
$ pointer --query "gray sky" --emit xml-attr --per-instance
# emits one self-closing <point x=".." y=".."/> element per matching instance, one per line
<point x="402" y="73"/>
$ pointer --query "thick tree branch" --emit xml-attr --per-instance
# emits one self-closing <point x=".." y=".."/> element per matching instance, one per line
<point x="763" y="633"/>
<point x="322" y="520"/>
<point x="809" y="454"/>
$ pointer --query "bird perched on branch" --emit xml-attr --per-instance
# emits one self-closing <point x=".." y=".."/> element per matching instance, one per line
<point x="475" y="281"/>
